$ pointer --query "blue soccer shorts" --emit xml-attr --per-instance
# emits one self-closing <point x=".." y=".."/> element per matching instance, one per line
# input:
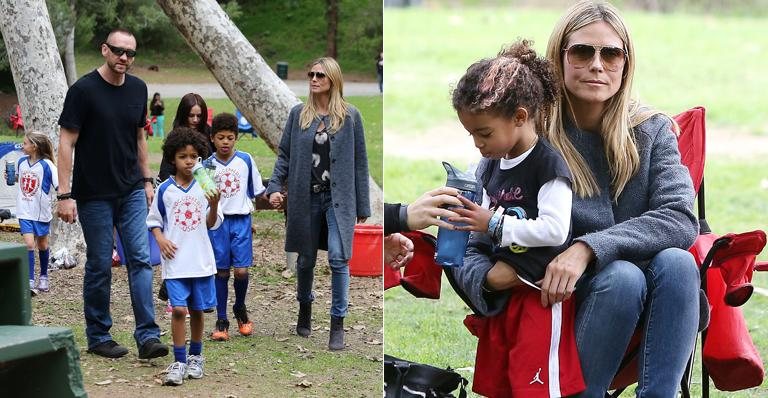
<point x="233" y="242"/>
<point x="194" y="293"/>
<point x="36" y="228"/>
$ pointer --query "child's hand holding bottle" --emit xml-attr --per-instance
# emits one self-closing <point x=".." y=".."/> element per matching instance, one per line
<point x="473" y="215"/>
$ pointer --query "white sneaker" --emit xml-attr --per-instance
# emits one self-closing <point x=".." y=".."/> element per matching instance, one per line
<point x="195" y="364"/>
<point x="175" y="374"/>
<point x="42" y="284"/>
<point x="31" y="283"/>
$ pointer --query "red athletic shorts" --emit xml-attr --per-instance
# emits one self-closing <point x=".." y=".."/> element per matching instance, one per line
<point x="528" y="350"/>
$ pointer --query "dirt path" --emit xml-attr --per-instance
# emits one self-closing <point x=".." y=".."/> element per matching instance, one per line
<point x="449" y="140"/>
<point x="271" y="362"/>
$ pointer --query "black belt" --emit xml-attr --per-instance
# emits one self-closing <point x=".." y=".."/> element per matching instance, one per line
<point x="316" y="188"/>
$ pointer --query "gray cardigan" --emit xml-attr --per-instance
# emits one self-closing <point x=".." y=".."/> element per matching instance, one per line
<point x="654" y="212"/>
<point x="349" y="179"/>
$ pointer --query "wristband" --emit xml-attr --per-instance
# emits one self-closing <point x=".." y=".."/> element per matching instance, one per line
<point x="499" y="231"/>
<point x="149" y="180"/>
<point x="64" y="196"/>
<point x="493" y="222"/>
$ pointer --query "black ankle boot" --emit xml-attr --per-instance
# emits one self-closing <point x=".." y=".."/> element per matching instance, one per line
<point x="304" y="324"/>
<point x="336" y="339"/>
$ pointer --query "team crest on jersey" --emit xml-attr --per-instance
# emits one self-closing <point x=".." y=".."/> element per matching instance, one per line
<point x="187" y="213"/>
<point x="30" y="184"/>
<point x="228" y="182"/>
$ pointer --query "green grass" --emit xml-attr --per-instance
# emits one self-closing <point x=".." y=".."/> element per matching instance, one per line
<point x="683" y="60"/>
<point x="295" y="31"/>
<point x="292" y="31"/>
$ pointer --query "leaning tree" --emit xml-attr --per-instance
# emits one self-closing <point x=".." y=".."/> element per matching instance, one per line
<point x="243" y="74"/>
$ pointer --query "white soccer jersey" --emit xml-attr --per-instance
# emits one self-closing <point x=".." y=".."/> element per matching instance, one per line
<point x="239" y="182"/>
<point x="181" y="214"/>
<point x="37" y="184"/>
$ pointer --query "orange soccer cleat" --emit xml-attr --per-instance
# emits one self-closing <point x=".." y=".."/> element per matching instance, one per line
<point x="244" y="326"/>
<point x="221" y="332"/>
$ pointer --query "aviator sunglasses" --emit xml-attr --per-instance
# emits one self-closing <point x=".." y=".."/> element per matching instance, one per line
<point x="581" y="55"/>
<point x="318" y="75"/>
<point x="119" y="51"/>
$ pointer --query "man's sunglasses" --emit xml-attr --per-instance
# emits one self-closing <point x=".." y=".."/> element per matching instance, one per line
<point x="119" y="51"/>
<point x="581" y="55"/>
<point x="318" y="75"/>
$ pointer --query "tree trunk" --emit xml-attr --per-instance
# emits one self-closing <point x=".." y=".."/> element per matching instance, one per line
<point x="40" y="85"/>
<point x="248" y="81"/>
<point x="332" y="18"/>
<point x="70" y="67"/>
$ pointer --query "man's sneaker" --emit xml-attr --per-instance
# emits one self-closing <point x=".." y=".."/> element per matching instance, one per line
<point x="42" y="284"/>
<point x="244" y="326"/>
<point x="195" y="364"/>
<point x="221" y="332"/>
<point x="109" y="349"/>
<point x="175" y="373"/>
<point x="31" y="283"/>
<point x="153" y="348"/>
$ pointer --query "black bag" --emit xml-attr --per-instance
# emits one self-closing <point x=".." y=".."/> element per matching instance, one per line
<point x="406" y="379"/>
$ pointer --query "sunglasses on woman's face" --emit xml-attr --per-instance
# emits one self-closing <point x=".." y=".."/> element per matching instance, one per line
<point x="318" y="75"/>
<point x="581" y="55"/>
<point x="119" y="51"/>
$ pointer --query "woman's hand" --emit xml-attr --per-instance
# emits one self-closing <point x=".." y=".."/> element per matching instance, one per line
<point x="563" y="272"/>
<point x="475" y="216"/>
<point x="398" y="250"/>
<point x="428" y="209"/>
<point x="276" y="199"/>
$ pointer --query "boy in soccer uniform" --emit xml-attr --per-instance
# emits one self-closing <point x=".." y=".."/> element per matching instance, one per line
<point x="239" y="182"/>
<point x="180" y="215"/>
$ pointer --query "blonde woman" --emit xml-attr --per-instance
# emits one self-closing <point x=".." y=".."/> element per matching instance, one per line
<point x="632" y="214"/>
<point x="323" y="163"/>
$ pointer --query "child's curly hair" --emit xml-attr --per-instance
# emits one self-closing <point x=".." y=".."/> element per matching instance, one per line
<point x="515" y="78"/>
<point x="224" y="121"/>
<point x="179" y="138"/>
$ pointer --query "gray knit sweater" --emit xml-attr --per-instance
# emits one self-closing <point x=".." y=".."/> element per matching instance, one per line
<point x="654" y="212"/>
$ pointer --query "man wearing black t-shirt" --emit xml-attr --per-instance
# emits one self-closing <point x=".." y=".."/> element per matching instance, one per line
<point x="103" y="121"/>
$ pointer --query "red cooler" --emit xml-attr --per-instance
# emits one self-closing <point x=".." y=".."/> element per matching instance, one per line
<point x="367" y="250"/>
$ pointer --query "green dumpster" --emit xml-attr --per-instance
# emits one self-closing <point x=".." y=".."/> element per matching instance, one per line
<point x="282" y="70"/>
<point x="26" y="351"/>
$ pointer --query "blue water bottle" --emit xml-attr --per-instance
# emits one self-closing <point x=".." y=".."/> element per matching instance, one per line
<point x="452" y="244"/>
<point x="10" y="172"/>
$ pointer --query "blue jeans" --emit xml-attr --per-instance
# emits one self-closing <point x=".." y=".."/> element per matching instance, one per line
<point x="98" y="217"/>
<point x="322" y="212"/>
<point x="664" y="296"/>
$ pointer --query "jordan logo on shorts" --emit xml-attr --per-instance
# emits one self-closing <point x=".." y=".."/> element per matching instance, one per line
<point x="537" y="378"/>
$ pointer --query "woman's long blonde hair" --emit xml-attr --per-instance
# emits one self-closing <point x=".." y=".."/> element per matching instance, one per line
<point x="337" y="106"/>
<point x="621" y="113"/>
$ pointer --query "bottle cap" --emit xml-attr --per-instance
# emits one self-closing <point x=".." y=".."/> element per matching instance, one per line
<point x="460" y="180"/>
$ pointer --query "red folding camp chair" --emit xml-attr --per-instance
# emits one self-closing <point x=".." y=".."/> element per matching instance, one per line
<point x="726" y="264"/>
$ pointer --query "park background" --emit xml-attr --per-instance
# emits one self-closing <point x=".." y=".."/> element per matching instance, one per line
<point x="689" y="53"/>
<point x="273" y="362"/>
